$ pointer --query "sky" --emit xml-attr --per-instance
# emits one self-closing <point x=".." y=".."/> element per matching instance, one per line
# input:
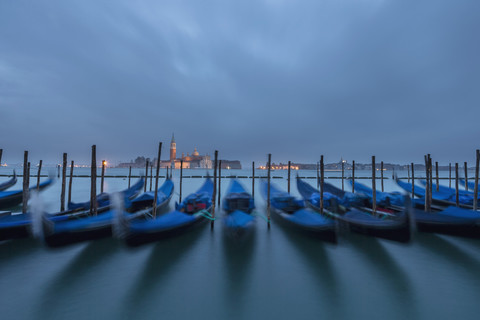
<point x="297" y="79"/>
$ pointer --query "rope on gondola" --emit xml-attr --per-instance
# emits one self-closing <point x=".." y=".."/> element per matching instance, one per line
<point x="206" y="214"/>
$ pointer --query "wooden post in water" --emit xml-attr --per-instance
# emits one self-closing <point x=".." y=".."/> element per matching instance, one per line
<point x="413" y="181"/>
<point x="253" y="179"/>
<point x="381" y="174"/>
<point x="25" y="182"/>
<point x="456" y="184"/>
<point x="268" y="187"/>
<point x="322" y="176"/>
<point x="155" y="192"/>
<point x="70" y="184"/>
<point x="28" y="177"/>
<point x="374" y="190"/>
<point x="450" y="175"/>
<point x="166" y="175"/>
<point x="129" y="175"/>
<point x="64" y="182"/>
<point x="436" y="174"/>
<point x="353" y="176"/>
<point x="102" y="179"/>
<point x="431" y="182"/>
<point x="475" y="188"/>
<point x="219" y="180"/>
<point x="214" y="196"/>
<point x="288" y="177"/>
<point x="181" y="178"/>
<point x="93" y="182"/>
<point x="38" y="174"/>
<point x="408" y="173"/>
<point x="146" y="176"/>
<point x="1" y="152"/>
<point x="151" y="175"/>
<point x="58" y="171"/>
<point x="426" y="186"/>
<point x="343" y="175"/>
<point x="466" y="176"/>
<point x="318" y="175"/>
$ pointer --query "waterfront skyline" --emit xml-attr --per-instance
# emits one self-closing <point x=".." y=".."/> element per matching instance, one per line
<point x="344" y="79"/>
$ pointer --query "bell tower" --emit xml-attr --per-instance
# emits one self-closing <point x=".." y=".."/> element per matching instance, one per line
<point x="173" y="149"/>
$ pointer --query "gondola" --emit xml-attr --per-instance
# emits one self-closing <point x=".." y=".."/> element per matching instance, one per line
<point x="103" y="199"/>
<point x="238" y="205"/>
<point x="439" y="198"/>
<point x="192" y="211"/>
<point x="65" y="232"/>
<point x="18" y="225"/>
<point x="9" y="199"/>
<point x="451" y="220"/>
<point x="9" y="183"/>
<point x="471" y="185"/>
<point x="395" y="228"/>
<point x="292" y="213"/>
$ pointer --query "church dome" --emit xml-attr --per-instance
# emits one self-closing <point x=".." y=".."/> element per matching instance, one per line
<point x="195" y="153"/>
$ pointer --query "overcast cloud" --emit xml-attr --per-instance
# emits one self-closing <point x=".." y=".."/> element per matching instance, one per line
<point x="343" y="78"/>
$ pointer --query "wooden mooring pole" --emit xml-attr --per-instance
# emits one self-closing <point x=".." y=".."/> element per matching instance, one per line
<point x="318" y="175"/>
<point x="151" y="175"/>
<point x="269" y="165"/>
<point x="25" y="182"/>
<point x="427" y="183"/>
<point x="102" y="179"/>
<point x="288" y="177"/>
<point x="181" y="178"/>
<point x="475" y="188"/>
<point x="129" y="175"/>
<point x="64" y="182"/>
<point x="219" y="180"/>
<point x="381" y="174"/>
<point x="146" y="176"/>
<point x="353" y="176"/>
<point x="70" y="181"/>
<point x="408" y="174"/>
<point x="374" y="190"/>
<point x="155" y="197"/>
<point x="58" y="171"/>
<point x="93" y="182"/>
<point x="343" y="175"/>
<point x="466" y="175"/>
<point x="322" y="176"/>
<point x="450" y="175"/>
<point x="413" y="181"/>
<point x="456" y="184"/>
<point x="214" y="197"/>
<point x="38" y="174"/>
<point x="436" y="174"/>
<point x="253" y="179"/>
<point x="430" y="193"/>
<point x="1" y="153"/>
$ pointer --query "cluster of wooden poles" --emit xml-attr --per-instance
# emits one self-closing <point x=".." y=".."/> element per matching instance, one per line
<point x="217" y="168"/>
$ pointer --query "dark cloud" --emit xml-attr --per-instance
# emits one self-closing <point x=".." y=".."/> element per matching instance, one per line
<point x="341" y="78"/>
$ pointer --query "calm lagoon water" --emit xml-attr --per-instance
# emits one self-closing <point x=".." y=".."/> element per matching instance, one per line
<point x="279" y="274"/>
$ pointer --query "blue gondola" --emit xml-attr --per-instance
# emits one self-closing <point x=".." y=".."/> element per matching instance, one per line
<point x="451" y="220"/>
<point x="60" y="233"/>
<point x="439" y="198"/>
<point x="7" y="184"/>
<point x="18" y="225"/>
<point x="292" y="213"/>
<point x="238" y="205"/>
<point x="103" y="199"/>
<point x="194" y="210"/>
<point x="9" y="199"/>
<point x="396" y="228"/>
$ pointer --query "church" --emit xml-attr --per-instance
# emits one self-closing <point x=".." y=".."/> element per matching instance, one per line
<point x="193" y="161"/>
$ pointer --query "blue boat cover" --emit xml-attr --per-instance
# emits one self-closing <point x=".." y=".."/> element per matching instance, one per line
<point x="382" y="198"/>
<point x="238" y="219"/>
<point x="460" y="212"/>
<point x="446" y="189"/>
<point x="238" y="198"/>
<point x="445" y="196"/>
<point x="101" y="219"/>
<point x="5" y="194"/>
<point x="471" y="185"/>
<point x="306" y="217"/>
<point x="163" y="193"/>
<point x="167" y="221"/>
